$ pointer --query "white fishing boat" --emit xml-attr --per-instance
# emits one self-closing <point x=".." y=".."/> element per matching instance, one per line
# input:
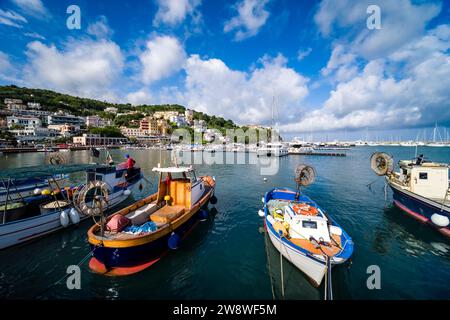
<point x="420" y="188"/>
<point x="303" y="232"/>
<point x="272" y="149"/>
<point x="57" y="208"/>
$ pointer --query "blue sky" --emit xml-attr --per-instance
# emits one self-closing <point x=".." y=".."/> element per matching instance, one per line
<point x="329" y="73"/>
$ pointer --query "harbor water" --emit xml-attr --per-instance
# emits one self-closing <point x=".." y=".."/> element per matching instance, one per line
<point x="226" y="256"/>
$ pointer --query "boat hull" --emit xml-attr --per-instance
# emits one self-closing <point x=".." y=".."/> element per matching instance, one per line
<point x="124" y="259"/>
<point x="20" y="231"/>
<point x="419" y="207"/>
<point x="314" y="269"/>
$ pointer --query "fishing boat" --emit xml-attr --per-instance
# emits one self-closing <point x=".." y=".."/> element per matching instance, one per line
<point x="421" y="188"/>
<point x="303" y="232"/>
<point x="56" y="207"/>
<point x="137" y="236"/>
<point x="272" y="149"/>
<point x="16" y="189"/>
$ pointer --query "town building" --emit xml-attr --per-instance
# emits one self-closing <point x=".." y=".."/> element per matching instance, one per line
<point x="34" y="134"/>
<point x="14" y="104"/>
<point x="34" y="105"/>
<point x="179" y="120"/>
<point x="25" y="121"/>
<point x="189" y="116"/>
<point x="65" y="130"/>
<point x="111" y="110"/>
<point x="199" y="125"/>
<point x="62" y="118"/>
<point x="150" y="125"/>
<point x="96" y="121"/>
<point x="164" y="127"/>
<point x="88" y="139"/>
<point x="165" y="114"/>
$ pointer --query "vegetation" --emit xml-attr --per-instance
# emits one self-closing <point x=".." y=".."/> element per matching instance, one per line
<point x="107" y="132"/>
<point x="54" y="101"/>
<point x="8" y="137"/>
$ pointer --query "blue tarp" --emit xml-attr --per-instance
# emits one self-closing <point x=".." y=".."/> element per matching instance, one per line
<point x="145" y="228"/>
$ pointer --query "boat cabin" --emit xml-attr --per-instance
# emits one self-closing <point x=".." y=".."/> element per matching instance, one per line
<point x="428" y="179"/>
<point x="179" y="186"/>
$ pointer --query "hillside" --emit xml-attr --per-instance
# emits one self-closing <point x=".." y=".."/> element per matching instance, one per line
<point x="54" y="101"/>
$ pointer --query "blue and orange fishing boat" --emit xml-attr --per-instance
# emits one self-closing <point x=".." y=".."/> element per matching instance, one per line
<point x="303" y="232"/>
<point x="137" y="236"/>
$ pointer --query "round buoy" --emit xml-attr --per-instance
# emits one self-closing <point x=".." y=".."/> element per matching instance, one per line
<point x="213" y="200"/>
<point x="203" y="214"/>
<point x="64" y="219"/>
<point x="174" y="241"/>
<point x="261" y="213"/>
<point x="127" y="192"/>
<point x="440" y="220"/>
<point x="37" y="191"/>
<point x="74" y="216"/>
<point x="46" y="192"/>
<point x="265" y="179"/>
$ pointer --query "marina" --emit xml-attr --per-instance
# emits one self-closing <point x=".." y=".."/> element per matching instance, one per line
<point x="228" y="241"/>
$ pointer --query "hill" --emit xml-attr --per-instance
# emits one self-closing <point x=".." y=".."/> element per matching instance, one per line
<point x="54" y="101"/>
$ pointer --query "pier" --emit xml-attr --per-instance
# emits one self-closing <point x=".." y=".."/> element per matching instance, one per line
<point x="327" y="154"/>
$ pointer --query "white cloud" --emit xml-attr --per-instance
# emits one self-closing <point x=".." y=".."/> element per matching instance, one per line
<point x="100" y="28"/>
<point x="163" y="56"/>
<point x="342" y="64"/>
<point x="12" y="19"/>
<point x="303" y="53"/>
<point x="173" y="12"/>
<point x="34" y="35"/>
<point x="32" y="7"/>
<point x="246" y="97"/>
<point x="139" y="97"/>
<point x="251" y="17"/>
<point x="378" y="97"/>
<point x="82" y="67"/>
<point x="401" y="22"/>
<point x="8" y="72"/>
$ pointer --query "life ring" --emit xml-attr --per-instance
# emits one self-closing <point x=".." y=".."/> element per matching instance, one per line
<point x="99" y="204"/>
<point x="305" y="209"/>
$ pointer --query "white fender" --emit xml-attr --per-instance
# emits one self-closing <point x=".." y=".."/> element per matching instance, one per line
<point x="37" y="191"/>
<point x="261" y="213"/>
<point x="336" y="230"/>
<point x="126" y="192"/>
<point x="440" y="220"/>
<point x="64" y="218"/>
<point x="74" y="216"/>
<point x="262" y="199"/>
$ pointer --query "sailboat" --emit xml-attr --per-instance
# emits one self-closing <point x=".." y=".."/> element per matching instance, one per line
<point x="435" y="143"/>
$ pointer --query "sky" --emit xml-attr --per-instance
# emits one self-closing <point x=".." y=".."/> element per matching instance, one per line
<point x="316" y="64"/>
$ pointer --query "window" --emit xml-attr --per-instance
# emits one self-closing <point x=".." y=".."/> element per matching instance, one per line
<point x="423" y="175"/>
<point x="309" y="224"/>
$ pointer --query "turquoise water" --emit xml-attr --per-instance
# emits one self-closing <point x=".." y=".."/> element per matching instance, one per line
<point x="226" y="257"/>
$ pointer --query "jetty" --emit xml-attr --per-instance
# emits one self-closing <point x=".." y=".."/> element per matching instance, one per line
<point x="326" y="154"/>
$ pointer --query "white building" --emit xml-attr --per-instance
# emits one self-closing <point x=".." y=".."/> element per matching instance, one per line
<point x="34" y="105"/>
<point x="62" y="118"/>
<point x="199" y="125"/>
<point x="96" y="140"/>
<point x="189" y="116"/>
<point x="165" y="114"/>
<point x="25" y="121"/>
<point x="96" y="121"/>
<point x="179" y="120"/>
<point x="111" y="110"/>
<point x="34" y="134"/>
<point x="65" y="130"/>
<point x="14" y="104"/>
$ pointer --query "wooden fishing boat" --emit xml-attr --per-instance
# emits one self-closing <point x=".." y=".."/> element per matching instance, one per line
<point x="303" y="232"/>
<point x="136" y="237"/>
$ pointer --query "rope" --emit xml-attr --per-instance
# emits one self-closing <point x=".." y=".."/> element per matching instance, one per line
<point x="281" y="273"/>
<point x="90" y="254"/>
<point x="266" y="235"/>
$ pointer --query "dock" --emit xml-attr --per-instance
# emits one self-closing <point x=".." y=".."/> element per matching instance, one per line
<point x="327" y="154"/>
